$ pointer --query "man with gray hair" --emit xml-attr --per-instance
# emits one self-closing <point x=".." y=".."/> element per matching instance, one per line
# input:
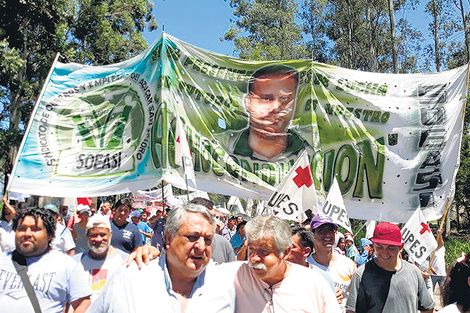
<point x="269" y="283"/>
<point x="182" y="279"/>
<point x="102" y="259"/>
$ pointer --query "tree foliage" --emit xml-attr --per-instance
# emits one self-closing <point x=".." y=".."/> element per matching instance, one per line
<point x="265" y="30"/>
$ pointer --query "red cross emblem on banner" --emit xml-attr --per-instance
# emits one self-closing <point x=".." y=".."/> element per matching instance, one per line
<point x="425" y="228"/>
<point x="303" y="177"/>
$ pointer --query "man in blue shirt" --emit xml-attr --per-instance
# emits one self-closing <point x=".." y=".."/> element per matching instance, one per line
<point x="126" y="236"/>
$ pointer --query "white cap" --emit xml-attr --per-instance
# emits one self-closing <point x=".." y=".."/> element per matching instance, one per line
<point x="98" y="220"/>
<point x="83" y="208"/>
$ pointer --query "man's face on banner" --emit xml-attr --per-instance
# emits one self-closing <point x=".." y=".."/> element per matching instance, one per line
<point x="271" y="104"/>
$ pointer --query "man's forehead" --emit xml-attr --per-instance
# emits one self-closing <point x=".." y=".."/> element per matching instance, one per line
<point x="264" y="243"/>
<point x="191" y="220"/>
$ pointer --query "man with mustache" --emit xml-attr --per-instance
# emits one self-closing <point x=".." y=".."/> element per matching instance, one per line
<point x="270" y="103"/>
<point x="102" y="259"/>
<point x="55" y="277"/>
<point x="269" y="283"/>
<point x="182" y="279"/>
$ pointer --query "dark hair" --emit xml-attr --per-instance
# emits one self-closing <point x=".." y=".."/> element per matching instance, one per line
<point x="456" y="288"/>
<point x="125" y="202"/>
<point x="232" y="218"/>
<point x="306" y="238"/>
<point x="275" y="69"/>
<point x="240" y="225"/>
<point x="46" y="216"/>
<point x="204" y="202"/>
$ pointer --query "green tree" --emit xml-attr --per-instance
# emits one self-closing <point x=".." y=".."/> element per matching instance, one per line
<point x="312" y="14"/>
<point x="109" y="31"/>
<point x="442" y="26"/>
<point x="265" y="30"/>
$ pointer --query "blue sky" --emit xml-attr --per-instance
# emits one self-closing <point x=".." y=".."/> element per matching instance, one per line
<point x="203" y="22"/>
<point x="197" y="22"/>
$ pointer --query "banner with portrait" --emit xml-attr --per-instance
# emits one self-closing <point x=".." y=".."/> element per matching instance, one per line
<point x="391" y="141"/>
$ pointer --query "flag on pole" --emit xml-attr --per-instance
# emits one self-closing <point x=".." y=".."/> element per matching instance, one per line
<point x="334" y="207"/>
<point x="296" y="193"/>
<point x="370" y="227"/>
<point x="183" y="154"/>
<point x="235" y="206"/>
<point x="418" y="238"/>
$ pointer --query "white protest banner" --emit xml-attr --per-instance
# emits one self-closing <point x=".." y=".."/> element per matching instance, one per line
<point x="296" y="193"/>
<point x="334" y="207"/>
<point x="153" y="195"/>
<point x="103" y="130"/>
<point x="183" y="154"/>
<point x="418" y="238"/>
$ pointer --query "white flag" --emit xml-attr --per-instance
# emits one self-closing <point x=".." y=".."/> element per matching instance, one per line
<point x="235" y="206"/>
<point x="260" y="207"/>
<point x="183" y="154"/>
<point x="296" y="193"/>
<point x="249" y="207"/>
<point x="370" y="227"/>
<point x="418" y="238"/>
<point x="334" y="207"/>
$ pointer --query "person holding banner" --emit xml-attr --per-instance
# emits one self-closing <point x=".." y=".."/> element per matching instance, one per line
<point x="388" y="283"/>
<point x="270" y="104"/>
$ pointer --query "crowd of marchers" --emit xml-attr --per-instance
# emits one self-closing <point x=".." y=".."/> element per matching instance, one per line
<point x="193" y="258"/>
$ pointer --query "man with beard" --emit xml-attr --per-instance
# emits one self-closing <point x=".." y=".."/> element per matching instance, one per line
<point x="269" y="283"/>
<point x="102" y="259"/>
<point x="270" y="103"/>
<point x="56" y="279"/>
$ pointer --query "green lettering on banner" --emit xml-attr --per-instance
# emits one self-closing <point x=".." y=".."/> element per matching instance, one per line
<point x="346" y="157"/>
<point x="373" y="169"/>
<point x="218" y="157"/>
<point x="206" y="160"/>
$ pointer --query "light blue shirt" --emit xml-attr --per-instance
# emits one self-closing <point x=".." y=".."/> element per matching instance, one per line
<point x="150" y="290"/>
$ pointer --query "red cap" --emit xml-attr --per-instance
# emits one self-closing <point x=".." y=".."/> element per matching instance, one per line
<point x="387" y="234"/>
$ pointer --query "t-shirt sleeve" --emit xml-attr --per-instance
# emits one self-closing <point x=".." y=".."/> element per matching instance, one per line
<point x="78" y="283"/>
<point x="425" y="301"/>
<point x="353" y="291"/>
<point x="68" y="239"/>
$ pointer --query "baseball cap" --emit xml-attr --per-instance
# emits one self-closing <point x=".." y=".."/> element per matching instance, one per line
<point x="365" y="242"/>
<point x="318" y="221"/>
<point x="135" y="213"/>
<point x="388" y="234"/>
<point x="52" y="207"/>
<point x="83" y="208"/>
<point x="348" y="236"/>
<point x="98" y="220"/>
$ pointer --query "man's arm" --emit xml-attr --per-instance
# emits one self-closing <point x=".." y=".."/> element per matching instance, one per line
<point x="81" y="305"/>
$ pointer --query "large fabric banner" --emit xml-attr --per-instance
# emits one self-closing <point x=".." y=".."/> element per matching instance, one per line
<point x="391" y="141"/>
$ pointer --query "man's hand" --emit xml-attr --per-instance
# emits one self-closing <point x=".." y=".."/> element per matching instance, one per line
<point x="142" y="254"/>
<point x="339" y="295"/>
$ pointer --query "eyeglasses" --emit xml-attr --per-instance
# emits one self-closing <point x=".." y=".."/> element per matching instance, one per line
<point x="268" y="296"/>
<point x="194" y="238"/>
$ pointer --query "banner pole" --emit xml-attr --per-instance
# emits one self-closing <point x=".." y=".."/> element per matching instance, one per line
<point x="185" y="178"/>
<point x="163" y="196"/>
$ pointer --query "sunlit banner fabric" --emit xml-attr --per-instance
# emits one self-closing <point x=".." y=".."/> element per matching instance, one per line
<point x="392" y="141"/>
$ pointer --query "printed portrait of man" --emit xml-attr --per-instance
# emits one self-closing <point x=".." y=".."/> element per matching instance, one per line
<point x="270" y="104"/>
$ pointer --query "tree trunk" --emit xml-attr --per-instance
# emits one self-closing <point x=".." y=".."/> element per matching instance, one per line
<point x="391" y="13"/>
<point x="436" y="37"/>
<point x="465" y="28"/>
